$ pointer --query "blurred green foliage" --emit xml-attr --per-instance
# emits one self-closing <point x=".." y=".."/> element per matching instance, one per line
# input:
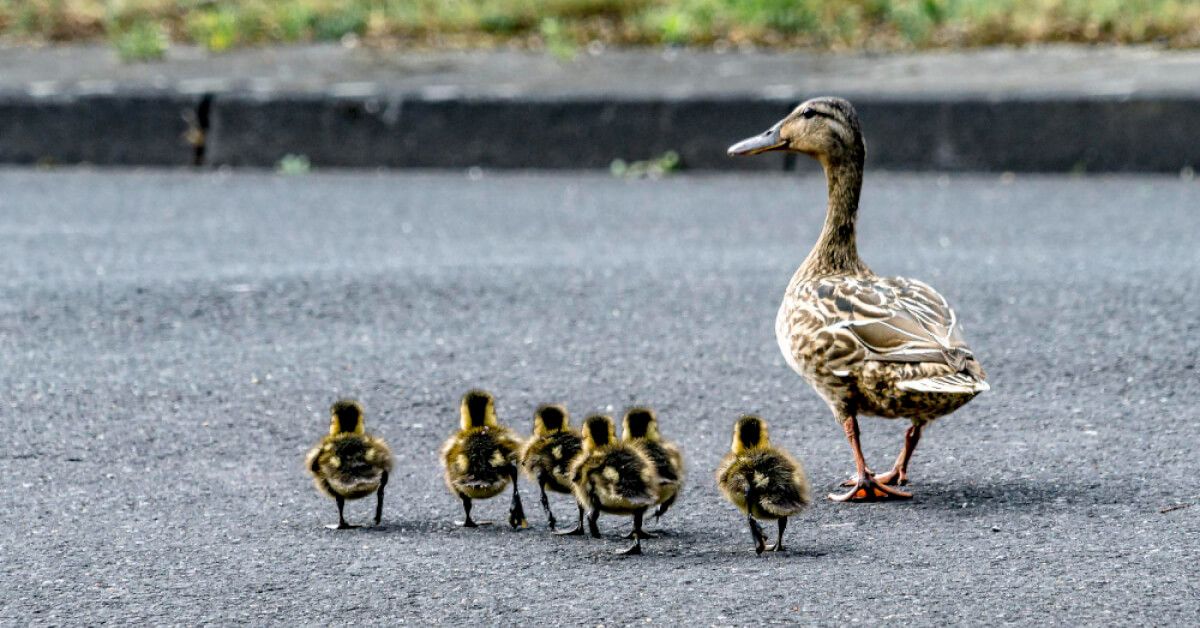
<point x="562" y="26"/>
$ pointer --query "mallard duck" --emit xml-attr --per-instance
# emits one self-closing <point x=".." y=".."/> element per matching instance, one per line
<point x="880" y="346"/>
<point x="547" y="455"/>
<point x="614" y="477"/>
<point x="640" y="428"/>
<point x="762" y="481"/>
<point x="348" y="463"/>
<point x="480" y="459"/>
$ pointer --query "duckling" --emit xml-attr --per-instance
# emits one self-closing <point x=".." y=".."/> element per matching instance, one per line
<point x="481" y="458"/>
<point x="762" y="481"/>
<point x="547" y="456"/>
<point x="614" y="477"/>
<point x="348" y="463"/>
<point x="640" y="428"/>
<point x="880" y="346"/>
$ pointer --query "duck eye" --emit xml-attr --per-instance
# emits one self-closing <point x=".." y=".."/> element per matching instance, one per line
<point x="808" y="114"/>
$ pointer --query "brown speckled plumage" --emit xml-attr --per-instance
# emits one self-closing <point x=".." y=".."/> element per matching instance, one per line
<point x="869" y="345"/>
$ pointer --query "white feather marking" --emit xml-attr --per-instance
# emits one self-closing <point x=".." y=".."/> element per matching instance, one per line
<point x="498" y="459"/>
<point x="611" y="474"/>
<point x="957" y="383"/>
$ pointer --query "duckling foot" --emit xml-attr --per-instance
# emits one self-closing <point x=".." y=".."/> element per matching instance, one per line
<point x="636" y="550"/>
<point x="867" y="489"/>
<point x="577" y="530"/>
<point x="778" y="546"/>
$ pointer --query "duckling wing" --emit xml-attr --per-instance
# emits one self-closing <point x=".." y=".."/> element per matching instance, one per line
<point x="785" y="487"/>
<point x="625" y="478"/>
<point x="668" y="462"/>
<point x="887" y="320"/>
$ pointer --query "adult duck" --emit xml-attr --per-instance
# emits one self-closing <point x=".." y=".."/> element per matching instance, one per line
<point x="880" y="346"/>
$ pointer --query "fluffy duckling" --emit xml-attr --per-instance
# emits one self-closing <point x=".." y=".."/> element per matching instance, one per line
<point x="481" y="458"/>
<point x="613" y="477"/>
<point x="640" y="428"/>
<point x="547" y="456"/>
<point x="349" y="463"/>
<point x="761" y="480"/>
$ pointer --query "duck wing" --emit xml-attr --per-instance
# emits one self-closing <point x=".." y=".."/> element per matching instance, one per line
<point x="892" y="319"/>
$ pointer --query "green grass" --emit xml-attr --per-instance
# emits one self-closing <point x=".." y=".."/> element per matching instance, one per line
<point x="563" y="26"/>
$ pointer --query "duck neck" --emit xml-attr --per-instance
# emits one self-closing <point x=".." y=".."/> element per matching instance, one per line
<point x="836" y="250"/>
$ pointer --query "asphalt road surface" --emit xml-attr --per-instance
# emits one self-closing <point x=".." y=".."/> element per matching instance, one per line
<point x="171" y="343"/>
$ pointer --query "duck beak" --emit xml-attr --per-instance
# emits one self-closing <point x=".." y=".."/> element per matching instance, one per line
<point x="766" y="141"/>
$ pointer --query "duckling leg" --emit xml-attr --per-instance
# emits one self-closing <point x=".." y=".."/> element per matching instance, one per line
<point x="550" y="521"/>
<point x="778" y="546"/>
<point x="865" y="488"/>
<point x="578" y="529"/>
<point x="637" y="534"/>
<point x="665" y="506"/>
<point x="755" y="531"/>
<point x="593" y="516"/>
<point x="467" y="522"/>
<point x="341" y="524"/>
<point x="899" y="472"/>
<point x="379" y="498"/>
<point x="516" y="513"/>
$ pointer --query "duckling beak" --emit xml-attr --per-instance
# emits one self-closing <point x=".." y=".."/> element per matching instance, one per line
<point x="766" y="141"/>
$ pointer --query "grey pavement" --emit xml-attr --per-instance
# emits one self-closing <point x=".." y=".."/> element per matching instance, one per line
<point x="171" y="341"/>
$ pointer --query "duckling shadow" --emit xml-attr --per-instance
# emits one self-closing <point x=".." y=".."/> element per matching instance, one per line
<point x="697" y="546"/>
<point x="1013" y="495"/>
<point x="432" y="526"/>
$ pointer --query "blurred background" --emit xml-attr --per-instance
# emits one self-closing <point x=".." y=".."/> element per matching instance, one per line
<point x="636" y="86"/>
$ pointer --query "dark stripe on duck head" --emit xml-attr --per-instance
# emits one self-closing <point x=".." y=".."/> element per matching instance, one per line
<point x="552" y="417"/>
<point x="750" y="431"/>
<point x="476" y="403"/>
<point x="638" y="422"/>
<point x="598" y="428"/>
<point x="348" y="414"/>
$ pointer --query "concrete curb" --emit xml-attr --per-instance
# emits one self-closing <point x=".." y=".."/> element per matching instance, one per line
<point x="1075" y="134"/>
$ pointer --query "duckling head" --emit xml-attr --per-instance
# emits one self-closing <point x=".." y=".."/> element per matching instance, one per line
<point x="640" y="422"/>
<point x="598" y="431"/>
<point x="824" y="128"/>
<point x="750" y="432"/>
<point x="550" y="418"/>
<point x="478" y="409"/>
<point x="346" y="417"/>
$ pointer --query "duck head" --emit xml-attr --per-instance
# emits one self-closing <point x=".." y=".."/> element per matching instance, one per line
<point x="749" y="432"/>
<point x="549" y="419"/>
<point x="640" y="423"/>
<point x="346" y="417"/>
<point x="824" y="128"/>
<point x="478" y="409"/>
<point x="598" y="431"/>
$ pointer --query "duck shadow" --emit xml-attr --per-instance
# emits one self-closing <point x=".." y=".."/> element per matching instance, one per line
<point x="1013" y="495"/>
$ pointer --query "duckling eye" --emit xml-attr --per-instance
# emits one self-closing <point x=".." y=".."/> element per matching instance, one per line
<point x="808" y="114"/>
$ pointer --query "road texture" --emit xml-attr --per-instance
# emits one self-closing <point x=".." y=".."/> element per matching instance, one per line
<point x="171" y="342"/>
